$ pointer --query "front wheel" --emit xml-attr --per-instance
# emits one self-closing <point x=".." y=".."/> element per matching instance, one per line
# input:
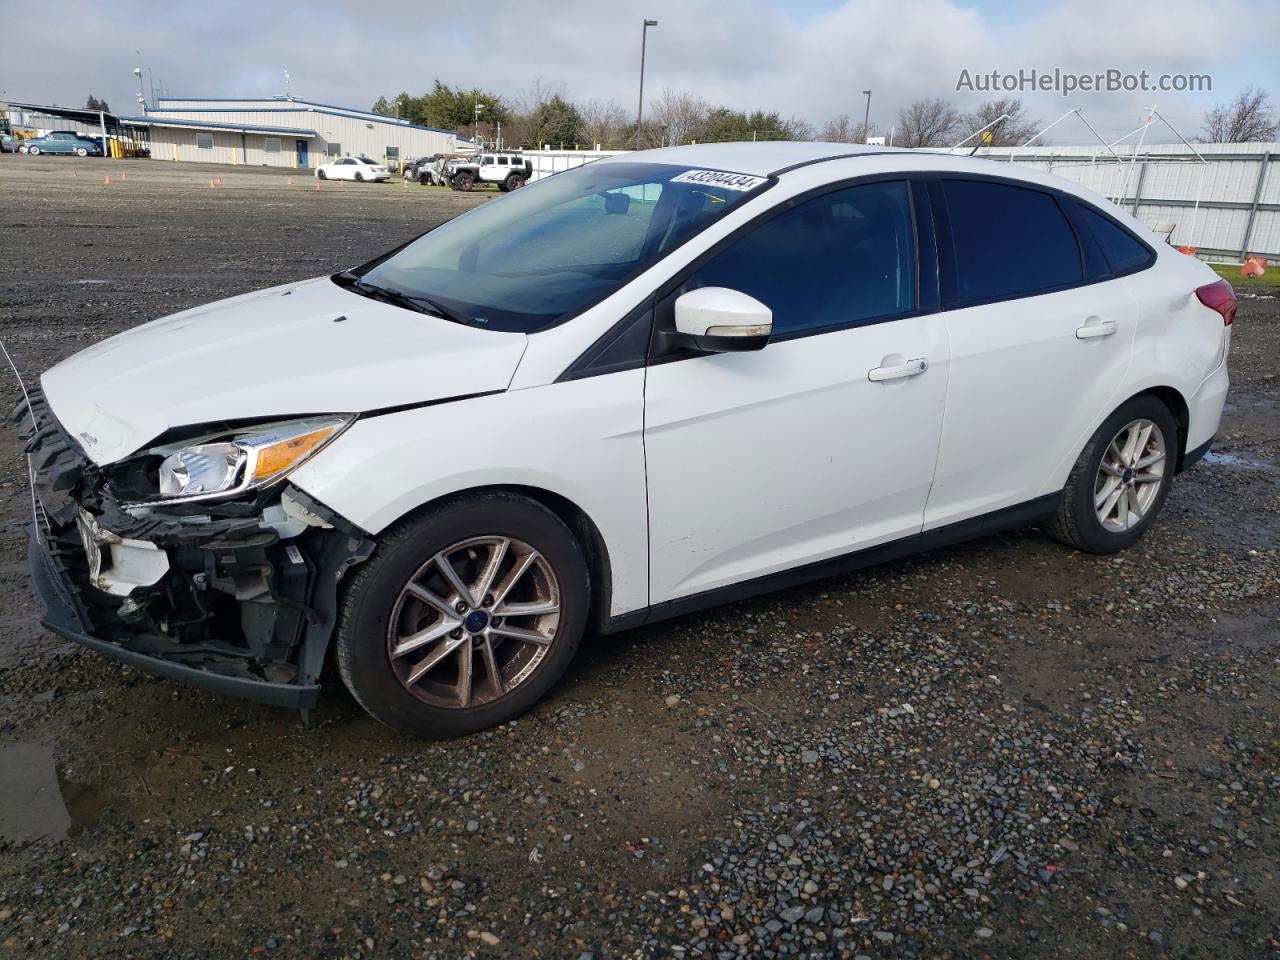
<point x="465" y="617"/>
<point x="1120" y="481"/>
<point x="34" y="151"/>
<point x="515" y="181"/>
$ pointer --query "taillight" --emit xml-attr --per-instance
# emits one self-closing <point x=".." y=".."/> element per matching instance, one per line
<point x="1220" y="297"/>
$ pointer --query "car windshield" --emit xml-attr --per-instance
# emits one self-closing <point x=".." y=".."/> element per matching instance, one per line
<point x="543" y="254"/>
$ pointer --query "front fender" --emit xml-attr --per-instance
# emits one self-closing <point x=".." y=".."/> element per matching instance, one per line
<point x="581" y="440"/>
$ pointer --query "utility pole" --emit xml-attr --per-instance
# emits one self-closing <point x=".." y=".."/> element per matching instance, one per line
<point x="866" y="118"/>
<point x="644" y="35"/>
<point x="475" y="129"/>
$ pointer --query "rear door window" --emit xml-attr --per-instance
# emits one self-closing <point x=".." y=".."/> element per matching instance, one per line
<point x="1006" y="241"/>
<point x="1124" y="252"/>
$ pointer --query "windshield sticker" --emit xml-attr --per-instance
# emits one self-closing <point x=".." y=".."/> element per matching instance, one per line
<point x="718" y="178"/>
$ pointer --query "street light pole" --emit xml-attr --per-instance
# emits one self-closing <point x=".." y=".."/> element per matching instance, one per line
<point x="475" y="128"/>
<point x="137" y="72"/>
<point x="644" y="35"/>
<point x="866" y="118"/>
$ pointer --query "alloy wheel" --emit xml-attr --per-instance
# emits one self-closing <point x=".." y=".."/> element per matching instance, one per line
<point x="1130" y="476"/>
<point x="474" y="622"/>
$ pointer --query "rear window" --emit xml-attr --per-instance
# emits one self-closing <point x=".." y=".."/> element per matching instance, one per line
<point x="1124" y="251"/>
<point x="1006" y="241"/>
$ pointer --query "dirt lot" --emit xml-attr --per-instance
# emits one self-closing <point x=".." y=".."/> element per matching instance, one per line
<point x="1005" y="749"/>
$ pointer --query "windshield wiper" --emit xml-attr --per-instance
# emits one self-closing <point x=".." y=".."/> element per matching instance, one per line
<point x="409" y="301"/>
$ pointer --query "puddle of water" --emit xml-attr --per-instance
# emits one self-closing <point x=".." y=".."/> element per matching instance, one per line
<point x="31" y="804"/>
<point x="1231" y="460"/>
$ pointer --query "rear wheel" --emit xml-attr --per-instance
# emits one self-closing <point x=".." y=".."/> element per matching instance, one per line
<point x="322" y="175"/>
<point x="1120" y="481"/>
<point x="359" y="176"/>
<point x="465" y="617"/>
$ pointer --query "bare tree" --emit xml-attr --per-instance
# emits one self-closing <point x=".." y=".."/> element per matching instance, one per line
<point x="675" y="117"/>
<point x="1013" y="131"/>
<point x="841" y="129"/>
<point x="1247" y="118"/>
<point x="603" y="122"/>
<point x="799" y="128"/>
<point x="927" y="123"/>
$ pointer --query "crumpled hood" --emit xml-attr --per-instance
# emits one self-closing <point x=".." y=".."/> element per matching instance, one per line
<point x="276" y="352"/>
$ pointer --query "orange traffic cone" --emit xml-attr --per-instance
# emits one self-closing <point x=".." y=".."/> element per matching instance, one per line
<point x="125" y="174"/>
<point x="342" y="183"/>
<point x="106" y="181"/>
<point x="211" y="184"/>
<point x="74" y="174"/>
<point x="291" y="181"/>
<point x="317" y="186"/>
<point x="219" y="181"/>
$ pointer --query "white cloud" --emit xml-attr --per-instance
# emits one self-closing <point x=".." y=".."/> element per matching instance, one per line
<point x="746" y="54"/>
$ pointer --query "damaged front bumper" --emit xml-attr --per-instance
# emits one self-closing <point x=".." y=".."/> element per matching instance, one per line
<point x="240" y="597"/>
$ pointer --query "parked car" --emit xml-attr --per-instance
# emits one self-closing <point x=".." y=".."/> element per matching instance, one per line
<point x="8" y="144"/>
<point x="63" y="141"/>
<point x="510" y="171"/>
<point x="353" y="168"/>
<point x="636" y="389"/>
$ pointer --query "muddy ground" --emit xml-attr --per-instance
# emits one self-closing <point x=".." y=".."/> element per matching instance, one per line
<point x="1004" y="749"/>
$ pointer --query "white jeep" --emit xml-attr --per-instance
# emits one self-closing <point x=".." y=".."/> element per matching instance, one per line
<point x="509" y="170"/>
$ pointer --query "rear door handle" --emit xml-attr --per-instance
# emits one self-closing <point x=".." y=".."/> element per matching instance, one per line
<point x="909" y="369"/>
<point x="1103" y="328"/>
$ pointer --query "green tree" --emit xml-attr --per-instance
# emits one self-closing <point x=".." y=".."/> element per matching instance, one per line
<point x="723" y="124"/>
<point x="93" y="103"/>
<point x="554" y="122"/>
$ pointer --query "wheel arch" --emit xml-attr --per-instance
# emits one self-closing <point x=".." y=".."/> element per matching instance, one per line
<point x="1177" y="405"/>
<point x="594" y="548"/>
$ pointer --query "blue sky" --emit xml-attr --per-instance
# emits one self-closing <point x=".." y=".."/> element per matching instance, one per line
<point x="805" y="58"/>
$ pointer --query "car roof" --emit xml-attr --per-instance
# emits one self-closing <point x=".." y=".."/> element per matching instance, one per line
<point x="773" y="158"/>
<point x="760" y="159"/>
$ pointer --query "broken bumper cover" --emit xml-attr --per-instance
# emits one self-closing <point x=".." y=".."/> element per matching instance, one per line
<point x="62" y="617"/>
<point x="243" y="602"/>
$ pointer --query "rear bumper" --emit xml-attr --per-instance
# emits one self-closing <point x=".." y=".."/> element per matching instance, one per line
<point x="63" y="618"/>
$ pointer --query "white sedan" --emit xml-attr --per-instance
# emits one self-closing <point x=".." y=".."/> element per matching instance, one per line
<point x="639" y="388"/>
<point x="353" y="168"/>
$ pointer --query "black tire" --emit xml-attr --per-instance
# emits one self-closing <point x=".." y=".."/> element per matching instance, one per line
<point x="81" y="152"/>
<point x="33" y="151"/>
<point x="463" y="183"/>
<point x="503" y="188"/>
<point x="322" y="175"/>
<point x="371" y="596"/>
<point x="359" y="177"/>
<point x="424" y="179"/>
<point x="1076" y="523"/>
<point x="515" y="182"/>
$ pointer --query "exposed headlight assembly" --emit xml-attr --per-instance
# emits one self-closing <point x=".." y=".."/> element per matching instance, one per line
<point x="248" y="459"/>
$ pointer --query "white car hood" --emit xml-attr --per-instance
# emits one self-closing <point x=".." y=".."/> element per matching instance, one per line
<point x="272" y="353"/>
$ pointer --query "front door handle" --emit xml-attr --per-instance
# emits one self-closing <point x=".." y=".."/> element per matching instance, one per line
<point x="909" y="369"/>
<point x="1103" y="328"/>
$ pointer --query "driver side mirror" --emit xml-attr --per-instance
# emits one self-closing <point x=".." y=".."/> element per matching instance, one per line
<point x="721" y="320"/>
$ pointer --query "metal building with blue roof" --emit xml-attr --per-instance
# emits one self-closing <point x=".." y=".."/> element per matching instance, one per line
<point x="284" y="131"/>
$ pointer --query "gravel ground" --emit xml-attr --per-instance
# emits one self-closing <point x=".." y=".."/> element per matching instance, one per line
<point x="1005" y="749"/>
